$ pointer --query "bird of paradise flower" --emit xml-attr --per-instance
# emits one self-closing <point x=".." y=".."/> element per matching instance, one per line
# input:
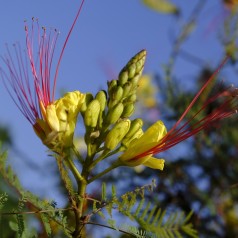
<point x="156" y="139"/>
<point x="34" y="94"/>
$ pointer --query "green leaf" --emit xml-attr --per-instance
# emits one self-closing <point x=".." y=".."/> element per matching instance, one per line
<point x="3" y="200"/>
<point x="104" y="192"/>
<point x="162" y="6"/>
<point x="46" y="222"/>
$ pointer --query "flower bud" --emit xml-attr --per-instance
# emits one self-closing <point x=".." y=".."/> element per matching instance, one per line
<point x="88" y="99"/>
<point x="115" y="113"/>
<point x="131" y="99"/>
<point x="132" y="70"/>
<point x="128" y="110"/>
<point x="128" y="140"/>
<point x="92" y="113"/>
<point x="123" y="77"/>
<point x="135" y="126"/>
<point x="116" y="94"/>
<point x="135" y="81"/>
<point x="102" y="98"/>
<point x="111" y="84"/>
<point x="127" y="89"/>
<point x="115" y="136"/>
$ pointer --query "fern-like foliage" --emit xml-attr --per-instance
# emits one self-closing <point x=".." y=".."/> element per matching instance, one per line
<point x="152" y="221"/>
<point x="47" y="210"/>
<point x="3" y="200"/>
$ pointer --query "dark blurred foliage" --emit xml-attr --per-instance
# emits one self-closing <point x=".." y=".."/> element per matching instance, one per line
<point x="6" y="141"/>
<point x="204" y="178"/>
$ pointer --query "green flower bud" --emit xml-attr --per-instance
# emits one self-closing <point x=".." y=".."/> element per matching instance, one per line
<point x="116" y="94"/>
<point x="112" y="104"/>
<point x="88" y="99"/>
<point x="112" y="84"/>
<point x="128" y="110"/>
<point x="115" y="113"/>
<point x="139" y="60"/>
<point x="115" y="136"/>
<point x="128" y="140"/>
<point x="92" y="113"/>
<point x="134" y="67"/>
<point x="123" y="77"/>
<point x="127" y="89"/>
<point x="136" y="125"/>
<point x="132" y="70"/>
<point x="131" y="99"/>
<point x="135" y="81"/>
<point x="102" y="98"/>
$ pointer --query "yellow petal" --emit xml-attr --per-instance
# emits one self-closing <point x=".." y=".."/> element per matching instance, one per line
<point x="52" y="118"/>
<point x="147" y="141"/>
<point x="154" y="163"/>
<point x="136" y="162"/>
<point x="57" y="126"/>
<point x="154" y="133"/>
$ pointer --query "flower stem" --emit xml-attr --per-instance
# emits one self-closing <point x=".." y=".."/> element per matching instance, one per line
<point x="113" y="166"/>
<point x="78" y="155"/>
<point x="73" y="169"/>
<point x="78" y="211"/>
<point x="103" y="156"/>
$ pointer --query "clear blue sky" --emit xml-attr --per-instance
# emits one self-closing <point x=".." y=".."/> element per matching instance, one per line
<point x="106" y="35"/>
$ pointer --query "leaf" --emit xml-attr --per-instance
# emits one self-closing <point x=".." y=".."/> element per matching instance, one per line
<point x="162" y="6"/>
<point x="3" y="200"/>
<point x="20" y="224"/>
<point x="46" y="223"/>
<point x="104" y="192"/>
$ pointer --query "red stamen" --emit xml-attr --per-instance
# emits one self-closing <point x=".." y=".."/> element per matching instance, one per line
<point x="178" y="133"/>
<point x="64" y="46"/>
<point x="28" y="92"/>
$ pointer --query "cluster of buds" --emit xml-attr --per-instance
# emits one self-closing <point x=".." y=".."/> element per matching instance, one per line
<point x="122" y="92"/>
<point x="106" y="115"/>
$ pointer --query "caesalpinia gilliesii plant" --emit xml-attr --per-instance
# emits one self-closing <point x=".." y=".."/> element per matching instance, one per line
<point x="109" y="130"/>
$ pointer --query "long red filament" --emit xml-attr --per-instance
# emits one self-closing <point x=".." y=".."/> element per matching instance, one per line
<point x="64" y="46"/>
<point x="178" y="134"/>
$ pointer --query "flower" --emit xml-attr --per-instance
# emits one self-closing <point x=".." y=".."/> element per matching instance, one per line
<point x="57" y="125"/>
<point x="155" y="140"/>
<point x="148" y="140"/>
<point x="53" y="120"/>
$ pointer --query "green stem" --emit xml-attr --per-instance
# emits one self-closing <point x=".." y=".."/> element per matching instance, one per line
<point x="81" y="192"/>
<point x="100" y="158"/>
<point x="103" y="156"/>
<point x="78" y="155"/>
<point x="82" y="185"/>
<point x="73" y="169"/>
<point x="113" y="166"/>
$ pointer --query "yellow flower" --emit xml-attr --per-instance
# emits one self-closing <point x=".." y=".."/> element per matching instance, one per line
<point x="56" y="128"/>
<point x="53" y="120"/>
<point x="156" y="139"/>
<point x="134" y="155"/>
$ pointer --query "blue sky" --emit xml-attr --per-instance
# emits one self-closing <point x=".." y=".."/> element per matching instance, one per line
<point x="108" y="33"/>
